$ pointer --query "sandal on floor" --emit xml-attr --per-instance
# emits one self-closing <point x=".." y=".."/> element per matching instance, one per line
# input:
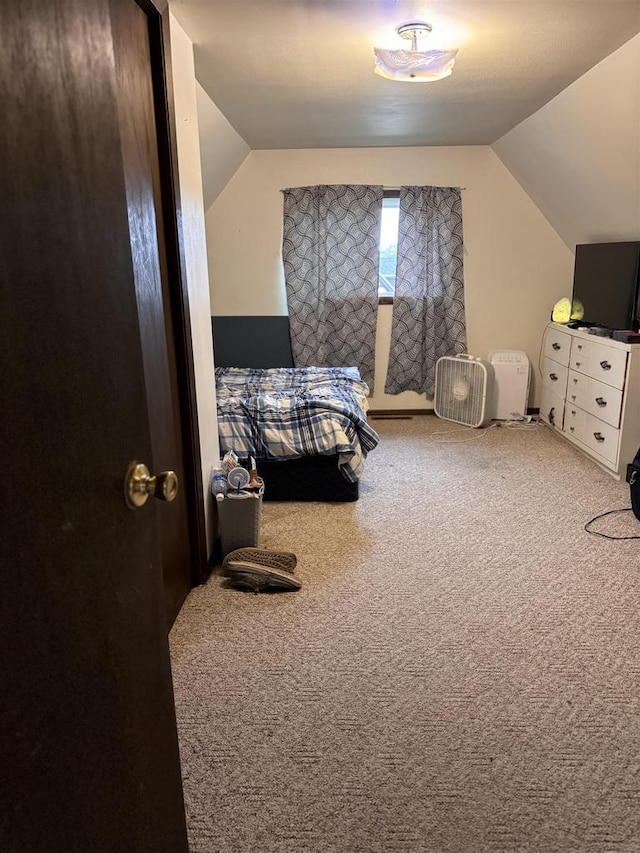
<point x="260" y="578"/>
<point x="282" y="560"/>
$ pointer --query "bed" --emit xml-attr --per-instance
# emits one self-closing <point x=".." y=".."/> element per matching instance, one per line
<point x="306" y="428"/>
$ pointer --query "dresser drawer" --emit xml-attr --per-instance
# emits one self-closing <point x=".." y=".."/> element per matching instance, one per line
<point x="601" y="438"/>
<point x="595" y="397"/>
<point x="602" y="362"/>
<point x="557" y="345"/>
<point x="554" y="375"/>
<point x="574" y="419"/>
<point x="551" y="407"/>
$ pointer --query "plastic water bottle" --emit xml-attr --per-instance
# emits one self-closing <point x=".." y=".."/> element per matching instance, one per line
<point x="219" y="484"/>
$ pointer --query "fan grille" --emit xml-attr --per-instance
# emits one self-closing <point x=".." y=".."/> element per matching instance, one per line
<point x="460" y="393"/>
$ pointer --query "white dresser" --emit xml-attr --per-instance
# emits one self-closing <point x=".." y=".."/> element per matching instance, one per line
<point x="591" y="394"/>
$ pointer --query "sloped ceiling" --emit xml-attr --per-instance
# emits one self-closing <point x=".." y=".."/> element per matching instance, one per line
<point x="578" y="157"/>
<point x="299" y="73"/>
<point x="222" y="149"/>
<point x="557" y="84"/>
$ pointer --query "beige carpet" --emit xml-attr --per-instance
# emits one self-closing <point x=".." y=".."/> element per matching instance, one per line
<point x="460" y="671"/>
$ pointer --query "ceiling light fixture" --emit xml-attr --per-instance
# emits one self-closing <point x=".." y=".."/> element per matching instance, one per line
<point x="414" y="66"/>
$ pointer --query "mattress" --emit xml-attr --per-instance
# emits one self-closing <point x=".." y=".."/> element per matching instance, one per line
<point x="282" y="416"/>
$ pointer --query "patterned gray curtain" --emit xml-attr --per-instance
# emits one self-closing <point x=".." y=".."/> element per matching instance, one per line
<point x="428" y="306"/>
<point x="330" y="251"/>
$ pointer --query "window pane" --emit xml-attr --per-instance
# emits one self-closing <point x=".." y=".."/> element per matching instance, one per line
<point x="388" y="247"/>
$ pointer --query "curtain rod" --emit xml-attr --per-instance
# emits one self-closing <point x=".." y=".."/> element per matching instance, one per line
<point x="397" y="189"/>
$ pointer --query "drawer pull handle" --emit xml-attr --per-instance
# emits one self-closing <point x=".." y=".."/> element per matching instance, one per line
<point x="555" y="346"/>
<point x="573" y="396"/>
<point x="578" y="363"/>
<point x="573" y="411"/>
<point x="575" y="381"/>
<point x="579" y="346"/>
<point x="571" y="429"/>
<point x="605" y="365"/>
<point x="553" y="377"/>
<point x="598" y="436"/>
<point x="601" y="401"/>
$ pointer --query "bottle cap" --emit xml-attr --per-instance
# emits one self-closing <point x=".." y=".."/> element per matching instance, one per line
<point x="238" y="478"/>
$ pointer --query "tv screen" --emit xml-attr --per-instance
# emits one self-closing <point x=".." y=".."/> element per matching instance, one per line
<point x="605" y="281"/>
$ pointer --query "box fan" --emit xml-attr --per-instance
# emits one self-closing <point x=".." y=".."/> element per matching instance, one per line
<point x="464" y="390"/>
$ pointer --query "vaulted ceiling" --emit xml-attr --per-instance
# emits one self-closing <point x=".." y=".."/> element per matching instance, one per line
<point x="299" y="73"/>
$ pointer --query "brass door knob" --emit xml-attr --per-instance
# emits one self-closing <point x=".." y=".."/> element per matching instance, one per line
<point x="140" y="484"/>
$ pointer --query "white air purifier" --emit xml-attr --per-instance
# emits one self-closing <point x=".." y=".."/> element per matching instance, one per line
<point x="511" y="371"/>
<point x="464" y="390"/>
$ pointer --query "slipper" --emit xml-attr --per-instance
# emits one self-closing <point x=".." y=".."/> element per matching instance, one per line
<point x="282" y="560"/>
<point x="257" y="577"/>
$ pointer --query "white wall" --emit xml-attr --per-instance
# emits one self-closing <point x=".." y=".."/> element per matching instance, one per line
<point x="516" y="266"/>
<point x="193" y="228"/>
<point x="579" y="156"/>
<point x="222" y="148"/>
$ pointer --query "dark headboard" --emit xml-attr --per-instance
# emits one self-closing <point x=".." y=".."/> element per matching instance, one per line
<point x="251" y="342"/>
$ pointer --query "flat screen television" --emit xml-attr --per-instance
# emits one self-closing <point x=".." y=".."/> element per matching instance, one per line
<point x="606" y="280"/>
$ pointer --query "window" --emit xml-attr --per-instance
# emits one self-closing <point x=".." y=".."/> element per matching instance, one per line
<point x="388" y="247"/>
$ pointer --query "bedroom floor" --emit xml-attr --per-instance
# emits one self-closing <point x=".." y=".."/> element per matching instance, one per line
<point x="460" y="671"/>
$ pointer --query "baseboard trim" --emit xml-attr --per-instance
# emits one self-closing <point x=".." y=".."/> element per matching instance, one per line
<point x="400" y="414"/>
<point x="403" y="414"/>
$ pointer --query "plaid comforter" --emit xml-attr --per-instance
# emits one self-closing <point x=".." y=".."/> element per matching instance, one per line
<point x="289" y="412"/>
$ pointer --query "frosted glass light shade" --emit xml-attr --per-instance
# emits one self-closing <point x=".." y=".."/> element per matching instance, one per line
<point x="413" y="65"/>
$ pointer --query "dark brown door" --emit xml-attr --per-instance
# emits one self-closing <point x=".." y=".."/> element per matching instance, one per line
<point x="130" y="27"/>
<point x="88" y="744"/>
